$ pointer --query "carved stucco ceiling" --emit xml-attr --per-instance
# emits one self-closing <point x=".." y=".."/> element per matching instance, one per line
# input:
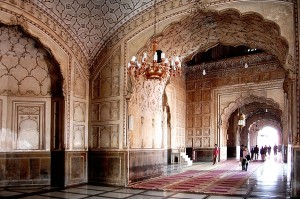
<point x="92" y="22"/>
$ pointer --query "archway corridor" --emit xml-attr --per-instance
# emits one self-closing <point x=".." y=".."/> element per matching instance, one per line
<point x="269" y="137"/>
<point x="268" y="179"/>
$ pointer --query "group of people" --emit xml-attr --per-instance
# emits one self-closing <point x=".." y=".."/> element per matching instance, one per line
<point x="263" y="151"/>
<point x="246" y="156"/>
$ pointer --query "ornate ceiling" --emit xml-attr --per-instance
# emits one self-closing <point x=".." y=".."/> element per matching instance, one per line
<point x="92" y="23"/>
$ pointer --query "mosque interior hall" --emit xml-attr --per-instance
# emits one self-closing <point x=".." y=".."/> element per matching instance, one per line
<point x="116" y="94"/>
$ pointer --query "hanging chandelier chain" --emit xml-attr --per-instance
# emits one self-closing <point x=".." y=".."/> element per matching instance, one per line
<point x="160" y="67"/>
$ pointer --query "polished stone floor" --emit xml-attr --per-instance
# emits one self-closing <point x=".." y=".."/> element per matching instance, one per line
<point x="271" y="180"/>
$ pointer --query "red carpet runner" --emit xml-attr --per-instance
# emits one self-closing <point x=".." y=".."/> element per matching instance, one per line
<point x="225" y="178"/>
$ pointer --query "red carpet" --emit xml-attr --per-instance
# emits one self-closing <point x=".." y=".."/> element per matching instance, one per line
<point x="225" y="178"/>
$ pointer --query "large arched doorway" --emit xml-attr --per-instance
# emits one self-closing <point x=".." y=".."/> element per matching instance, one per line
<point x="30" y="82"/>
<point x="268" y="136"/>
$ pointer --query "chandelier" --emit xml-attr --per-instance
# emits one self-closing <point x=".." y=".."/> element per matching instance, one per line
<point x="160" y="67"/>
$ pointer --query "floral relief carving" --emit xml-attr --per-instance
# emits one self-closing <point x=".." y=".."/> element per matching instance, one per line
<point x="107" y="82"/>
<point x="197" y="142"/>
<point x="105" y="136"/>
<point x="28" y="134"/>
<point x="79" y="83"/>
<point x="206" y="121"/>
<point x="78" y="137"/>
<point x="206" y="142"/>
<point x="198" y="109"/>
<point x="79" y="111"/>
<point x="106" y="111"/>
<point x="30" y="125"/>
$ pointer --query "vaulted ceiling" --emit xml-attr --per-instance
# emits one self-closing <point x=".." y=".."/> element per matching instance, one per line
<point x="91" y="23"/>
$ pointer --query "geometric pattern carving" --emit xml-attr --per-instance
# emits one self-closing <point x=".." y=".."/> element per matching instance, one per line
<point x="105" y="136"/>
<point x="91" y="22"/>
<point x="24" y="67"/>
<point x="30" y="125"/>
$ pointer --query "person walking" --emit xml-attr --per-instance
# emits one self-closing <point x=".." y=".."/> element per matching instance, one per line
<point x="215" y="154"/>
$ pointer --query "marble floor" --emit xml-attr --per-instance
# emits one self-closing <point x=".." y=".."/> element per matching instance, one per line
<point x="271" y="180"/>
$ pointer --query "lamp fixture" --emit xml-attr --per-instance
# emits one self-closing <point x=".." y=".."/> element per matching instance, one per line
<point x="242" y="120"/>
<point x="160" y="67"/>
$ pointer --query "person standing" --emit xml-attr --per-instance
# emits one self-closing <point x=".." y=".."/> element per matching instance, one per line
<point x="215" y="154"/>
<point x="275" y="149"/>
<point x="246" y="159"/>
<point x="241" y="154"/>
<point x="256" y="150"/>
<point x="252" y="153"/>
<point x="262" y="153"/>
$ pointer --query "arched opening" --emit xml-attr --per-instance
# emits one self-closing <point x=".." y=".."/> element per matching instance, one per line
<point x="268" y="136"/>
<point x="31" y="126"/>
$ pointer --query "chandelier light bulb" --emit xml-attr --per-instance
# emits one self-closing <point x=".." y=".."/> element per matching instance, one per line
<point x="166" y="61"/>
<point x="133" y="58"/>
<point x="204" y="72"/>
<point x="155" y="56"/>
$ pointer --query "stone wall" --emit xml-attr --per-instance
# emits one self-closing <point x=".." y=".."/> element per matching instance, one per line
<point x="25" y="168"/>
